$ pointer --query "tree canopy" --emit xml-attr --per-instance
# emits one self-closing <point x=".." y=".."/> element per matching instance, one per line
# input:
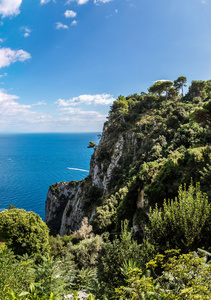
<point x="160" y="87"/>
<point x="24" y="232"/>
<point x="180" y="82"/>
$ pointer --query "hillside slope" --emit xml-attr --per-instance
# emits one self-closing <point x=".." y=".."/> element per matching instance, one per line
<point x="150" y="144"/>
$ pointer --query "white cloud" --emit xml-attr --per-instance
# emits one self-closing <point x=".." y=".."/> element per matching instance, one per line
<point x="70" y="14"/>
<point x="81" y="118"/>
<point x="76" y="112"/>
<point x="9" y="56"/>
<point x="59" y="25"/>
<point x="162" y="80"/>
<point x="3" y="75"/>
<point x="101" y="1"/>
<point x="16" y="117"/>
<point x="74" y="23"/>
<point x="99" y="99"/>
<point x="131" y="5"/>
<point x="80" y="2"/>
<point x="1" y="40"/>
<point x="44" y="1"/>
<point x="116" y="11"/>
<point x="26" y="31"/>
<point x="39" y="103"/>
<point x="10" y="107"/>
<point x="9" y="7"/>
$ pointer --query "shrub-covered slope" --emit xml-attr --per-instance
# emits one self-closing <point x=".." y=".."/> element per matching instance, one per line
<point x="150" y="144"/>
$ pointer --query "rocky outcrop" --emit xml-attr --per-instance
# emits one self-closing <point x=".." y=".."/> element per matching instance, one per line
<point x="149" y="147"/>
<point x="59" y="195"/>
<point x="101" y="171"/>
<point x="68" y="202"/>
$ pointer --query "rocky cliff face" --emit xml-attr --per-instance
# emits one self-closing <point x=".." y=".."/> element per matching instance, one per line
<point x="149" y="147"/>
<point x="69" y="202"/>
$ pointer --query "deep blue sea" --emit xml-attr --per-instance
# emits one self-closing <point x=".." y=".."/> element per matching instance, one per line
<point x="30" y="163"/>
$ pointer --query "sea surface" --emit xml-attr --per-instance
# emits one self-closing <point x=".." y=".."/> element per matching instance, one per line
<point x="30" y="163"/>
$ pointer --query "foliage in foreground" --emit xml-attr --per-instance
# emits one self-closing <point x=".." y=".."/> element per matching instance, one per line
<point x="182" y="223"/>
<point x="173" y="137"/>
<point x="24" y="232"/>
<point x="120" y="268"/>
<point x="172" y="277"/>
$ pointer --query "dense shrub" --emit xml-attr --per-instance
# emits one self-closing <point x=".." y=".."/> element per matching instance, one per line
<point x="24" y="232"/>
<point x="180" y="222"/>
<point x="86" y="252"/>
<point x="114" y="255"/>
<point x="15" y="275"/>
<point x="173" y="277"/>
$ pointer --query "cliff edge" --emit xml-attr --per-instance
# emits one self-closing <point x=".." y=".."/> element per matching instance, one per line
<point x="149" y="146"/>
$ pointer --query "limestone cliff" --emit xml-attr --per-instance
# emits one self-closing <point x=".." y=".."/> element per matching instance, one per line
<point x="68" y="202"/>
<point x="149" y="146"/>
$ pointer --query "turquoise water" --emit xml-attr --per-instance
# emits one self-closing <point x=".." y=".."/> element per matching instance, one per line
<point x="30" y="163"/>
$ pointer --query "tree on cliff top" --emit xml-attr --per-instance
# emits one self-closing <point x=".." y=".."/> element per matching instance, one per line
<point x="160" y="87"/>
<point x="119" y="109"/>
<point x="180" y="82"/>
<point x="156" y="88"/>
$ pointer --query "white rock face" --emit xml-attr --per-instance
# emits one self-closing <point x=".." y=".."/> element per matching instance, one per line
<point x="67" y="203"/>
<point x="57" y="199"/>
<point x="114" y="162"/>
<point x="73" y="213"/>
<point x="52" y="204"/>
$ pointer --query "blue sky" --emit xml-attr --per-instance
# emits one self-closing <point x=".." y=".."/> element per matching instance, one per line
<point x="62" y="63"/>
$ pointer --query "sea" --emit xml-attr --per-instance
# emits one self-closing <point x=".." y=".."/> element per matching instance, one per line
<point x="30" y="163"/>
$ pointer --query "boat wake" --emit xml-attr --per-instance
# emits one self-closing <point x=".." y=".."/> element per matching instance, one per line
<point x="78" y="169"/>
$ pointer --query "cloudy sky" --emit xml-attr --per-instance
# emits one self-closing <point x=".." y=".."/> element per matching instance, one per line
<point x="63" y="62"/>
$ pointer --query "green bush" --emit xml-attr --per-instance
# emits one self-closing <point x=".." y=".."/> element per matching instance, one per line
<point x="91" y="145"/>
<point x="86" y="252"/>
<point x="179" y="277"/>
<point x="24" y="232"/>
<point x="114" y="256"/>
<point x="15" y="275"/>
<point x="180" y="222"/>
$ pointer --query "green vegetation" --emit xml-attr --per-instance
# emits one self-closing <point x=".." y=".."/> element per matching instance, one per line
<point x="161" y="87"/>
<point x="91" y="145"/>
<point x="118" y="267"/>
<point x="24" y="232"/>
<point x="150" y="237"/>
<point x="180" y="223"/>
<point x="179" y="277"/>
<point x="179" y="83"/>
<point x="166" y="143"/>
